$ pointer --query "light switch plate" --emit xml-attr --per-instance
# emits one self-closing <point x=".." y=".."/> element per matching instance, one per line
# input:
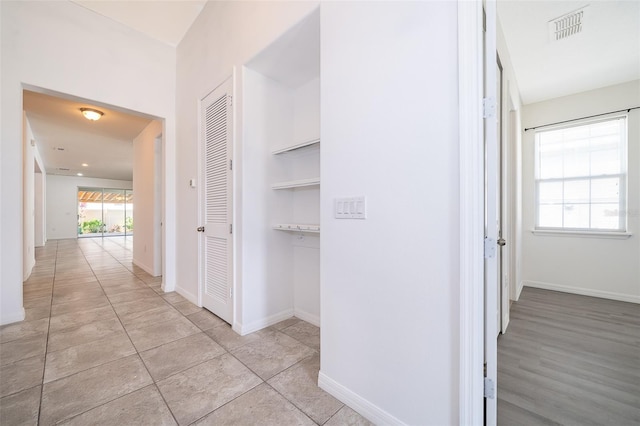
<point x="350" y="208"/>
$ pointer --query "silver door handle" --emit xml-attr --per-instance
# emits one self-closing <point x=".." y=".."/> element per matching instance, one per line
<point x="200" y="228"/>
<point x="501" y="242"/>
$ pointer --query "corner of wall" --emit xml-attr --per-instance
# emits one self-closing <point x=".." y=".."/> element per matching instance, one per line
<point x="364" y="407"/>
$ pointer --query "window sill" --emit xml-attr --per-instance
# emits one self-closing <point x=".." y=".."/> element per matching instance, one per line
<point x="581" y="234"/>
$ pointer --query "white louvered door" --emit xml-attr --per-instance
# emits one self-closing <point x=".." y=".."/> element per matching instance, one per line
<point x="216" y="243"/>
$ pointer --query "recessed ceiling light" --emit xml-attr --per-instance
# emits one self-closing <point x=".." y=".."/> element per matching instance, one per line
<point x="85" y="165"/>
<point x="79" y="174"/>
<point x="91" y="114"/>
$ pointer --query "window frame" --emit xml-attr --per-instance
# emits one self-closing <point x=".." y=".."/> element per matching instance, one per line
<point x="622" y="231"/>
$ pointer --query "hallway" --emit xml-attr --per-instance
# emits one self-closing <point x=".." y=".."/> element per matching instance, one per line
<point x="103" y="344"/>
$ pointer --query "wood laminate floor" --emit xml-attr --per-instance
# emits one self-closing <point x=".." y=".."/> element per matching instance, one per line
<point x="570" y="360"/>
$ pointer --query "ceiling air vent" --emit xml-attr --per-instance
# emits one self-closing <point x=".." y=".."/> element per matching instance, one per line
<point x="63" y="169"/>
<point x="567" y="25"/>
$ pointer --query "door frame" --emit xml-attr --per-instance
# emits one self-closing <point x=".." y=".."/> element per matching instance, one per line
<point x="471" y="137"/>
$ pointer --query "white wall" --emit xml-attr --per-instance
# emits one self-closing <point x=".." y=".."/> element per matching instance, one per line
<point x="280" y="270"/>
<point x="205" y="58"/>
<point x="599" y="267"/>
<point x="144" y="199"/>
<point x="390" y="283"/>
<point x="390" y="326"/>
<point x="511" y="171"/>
<point x="62" y="202"/>
<point x="40" y="223"/>
<point x="64" y="47"/>
<point x="28" y="200"/>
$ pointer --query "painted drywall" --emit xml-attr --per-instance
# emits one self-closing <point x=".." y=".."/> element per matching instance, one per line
<point x="40" y="224"/>
<point x="280" y="270"/>
<point x="225" y="36"/>
<point x="62" y="202"/>
<point x="28" y="200"/>
<point x="63" y="47"/>
<point x="390" y="283"/>
<point x="144" y="193"/>
<point x="511" y="173"/>
<point x="599" y="267"/>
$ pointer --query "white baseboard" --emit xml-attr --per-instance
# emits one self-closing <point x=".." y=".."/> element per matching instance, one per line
<point x="29" y="269"/>
<point x="306" y="316"/>
<point x="372" y="412"/>
<point x="583" y="291"/>
<point x="13" y="317"/>
<point x="193" y="298"/>
<point x="519" y="288"/>
<point x="263" y="322"/>
<point x="144" y="267"/>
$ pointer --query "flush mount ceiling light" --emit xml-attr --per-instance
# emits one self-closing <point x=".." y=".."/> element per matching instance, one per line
<point x="91" y="114"/>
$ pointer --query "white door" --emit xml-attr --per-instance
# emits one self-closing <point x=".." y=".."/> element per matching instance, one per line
<point x="216" y="242"/>
<point x="492" y="165"/>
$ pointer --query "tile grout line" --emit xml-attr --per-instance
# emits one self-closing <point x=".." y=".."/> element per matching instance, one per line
<point x="137" y="352"/>
<point x="153" y="380"/>
<point x="135" y="348"/>
<point x="46" y="344"/>
<point x="80" y="371"/>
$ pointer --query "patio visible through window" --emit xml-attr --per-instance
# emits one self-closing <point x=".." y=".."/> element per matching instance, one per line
<point x="104" y="212"/>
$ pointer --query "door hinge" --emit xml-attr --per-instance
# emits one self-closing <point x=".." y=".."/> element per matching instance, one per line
<point x="489" y="248"/>
<point x="489" y="388"/>
<point x="488" y="107"/>
<point x="230" y="164"/>
<point x="231" y="228"/>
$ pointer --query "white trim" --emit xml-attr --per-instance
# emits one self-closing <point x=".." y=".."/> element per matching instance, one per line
<point x="583" y="291"/>
<point x="519" y="288"/>
<point x="364" y="407"/>
<point x="306" y="316"/>
<point x="15" y="317"/>
<point x="144" y="267"/>
<point x="262" y="323"/>
<point x="470" y="80"/>
<point x="187" y="295"/>
<point x="581" y="234"/>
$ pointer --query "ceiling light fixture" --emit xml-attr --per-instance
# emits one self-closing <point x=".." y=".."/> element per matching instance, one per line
<point x="85" y="165"/>
<point x="79" y="174"/>
<point x="91" y="114"/>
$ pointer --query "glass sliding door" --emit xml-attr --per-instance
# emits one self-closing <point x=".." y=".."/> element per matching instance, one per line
<point x="113" y="211"/>
<point x="104" y="212"/>
<point x="90" y="222"/>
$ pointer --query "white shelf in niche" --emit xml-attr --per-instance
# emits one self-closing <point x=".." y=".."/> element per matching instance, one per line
<point x="295" y="227"/>
<point x="299" y="183"/>
<point x="296" y="146"/>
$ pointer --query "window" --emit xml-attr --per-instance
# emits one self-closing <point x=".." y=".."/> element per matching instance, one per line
<point x="581" y="177"/>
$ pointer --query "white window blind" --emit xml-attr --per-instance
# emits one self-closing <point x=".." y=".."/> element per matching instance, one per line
<point x="580" y="176"/>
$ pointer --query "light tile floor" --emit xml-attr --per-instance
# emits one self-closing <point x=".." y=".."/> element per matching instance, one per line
<point x="102" y="344"/>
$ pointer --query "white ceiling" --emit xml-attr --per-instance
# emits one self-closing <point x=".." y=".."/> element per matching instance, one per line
<point x="167" y="21"/>
<point x="294" y="58"/>
<point x="66" y="140"/>
<point x="607" y="52"/>
<point x="106" y="145"/>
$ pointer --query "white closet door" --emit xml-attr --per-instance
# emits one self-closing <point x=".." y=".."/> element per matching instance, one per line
<point x="216" y="243"/>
